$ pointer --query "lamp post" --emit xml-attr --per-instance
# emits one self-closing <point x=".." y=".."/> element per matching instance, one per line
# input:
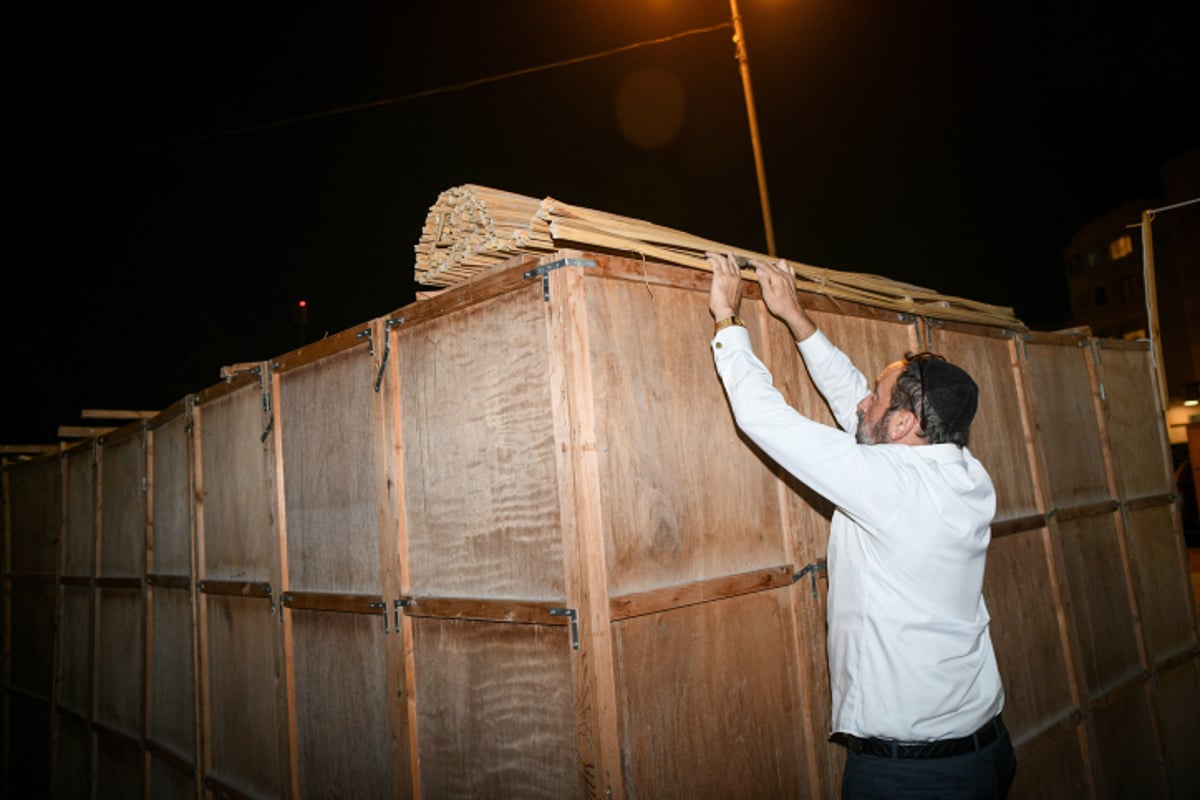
<point x="739" y="43"/>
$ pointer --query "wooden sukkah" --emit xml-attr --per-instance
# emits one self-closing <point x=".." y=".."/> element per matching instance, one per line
<point x="505" y="541"/>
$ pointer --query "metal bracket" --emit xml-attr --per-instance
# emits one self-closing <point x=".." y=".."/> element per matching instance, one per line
<point x="397" y="604"/>
<point x="811" y="570"/>
<point x="1019" y="339"/>
<point x="387" y="348"/>
<point x="544" y="271"/>
<point x="381" y="606"/>
<point x="366" y="334"/>
<point x="574" y="617"/>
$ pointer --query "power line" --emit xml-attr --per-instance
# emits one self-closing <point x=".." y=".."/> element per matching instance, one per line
<point x="455" y="87"/>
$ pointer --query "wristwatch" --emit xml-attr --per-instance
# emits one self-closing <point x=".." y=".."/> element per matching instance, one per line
<point x="722" y="324"/>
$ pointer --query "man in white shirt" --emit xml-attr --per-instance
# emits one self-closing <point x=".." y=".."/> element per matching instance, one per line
<point x="916" y="693"/>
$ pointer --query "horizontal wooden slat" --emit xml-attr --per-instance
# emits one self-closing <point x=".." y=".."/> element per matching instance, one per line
<point x="236" y="588"/>
<point x="1104" y="700"/>
<point x="327" y="601"/>
<point x="119" y="583"/>
<point x="118" y="735"/>
<point x="1151" y="501"/>
<point x="171" y="758"/>
<point x="535" y="612"/>
<point x="1008" y="527"/>
<point x="1089" y="510"/>
<point x="1037" y="741"/>
<point x="75" y="580"/>
<point x="169" y="581"/>
<point x="224" y="790"/>
<point x="666" y="598"/>
<point x="1173" y="661"/>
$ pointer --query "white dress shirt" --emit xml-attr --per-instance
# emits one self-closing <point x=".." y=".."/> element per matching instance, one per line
<point x="910" y="654"/>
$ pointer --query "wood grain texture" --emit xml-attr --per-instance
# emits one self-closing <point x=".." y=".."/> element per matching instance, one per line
<point x="694" y="721"/>
<point x="1056" y="769"/>
<point x="246" y="725"/>
<point x="1100" y="603"/>
<point x="75" y="654"/>
<point x="172" y="677"/>
<point x="495" y="710"/>
<point x="79" y="547"/>
<point x="684" y="499"/>
<point x="1027" y="633"/>
<point x="1136" y="426"/>
<point x="171" y="499"/>
<point x="1162" y="579"/>
<point x="342" y="728"/>
<point x="1064" y="408"/>
<point x="121" y="668"/>
<point x="31" y="618"/>
<point x="1177" y="696"/>
<point x="35" y="517"/>
<point x="1126" y="751"/>
<point x="481" y="499"/>
<point x="326" y="425"/>
<point x="123" y="502"/>
<point x="236" y="495"/>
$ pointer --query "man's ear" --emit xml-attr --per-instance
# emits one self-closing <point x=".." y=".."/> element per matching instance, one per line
<point x="902" y="424"/>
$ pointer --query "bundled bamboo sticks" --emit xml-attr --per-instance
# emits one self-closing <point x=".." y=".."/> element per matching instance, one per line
<point x="472" y="228"/>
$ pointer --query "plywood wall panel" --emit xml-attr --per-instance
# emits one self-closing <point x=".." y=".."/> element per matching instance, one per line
<point x="1135" y="423"/>
<point x="1100" y="604"/>
<point x="1027" y="634"/>
<point x="246" y="727"/>
<point x="325" y="421"/>
<point x="684" y="499"/>
<point x="79" y="556"/>
<point x="1127" y="754"/>
<point x="479" y="466"/>
<point x="169" y="783"/>
<point x="999" y="436"/>
<point x="1064" y="406"/>
<point x="123" y="504"/>
<point x="35" y="514"/>
<point x="1056" y="771"/>
<point x="75" y="654"/>
<point x="72" y="758"/>
<point x="1162" y="578"/>
<point x="693" y="722"/>
<point x="119" y="768"/>
<point x="1177" y="693"/>
<point x="120" y="672"/>
<point x="31" y="612"/>
<point x="172" y="673"/>
<point x="343" y="734"/>
<point x="171" y="539"/>
<point x="495" y="715"/>
<point x="240" y="539"/>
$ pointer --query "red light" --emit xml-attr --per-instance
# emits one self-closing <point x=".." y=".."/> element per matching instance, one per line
<point x="303" y="304"/>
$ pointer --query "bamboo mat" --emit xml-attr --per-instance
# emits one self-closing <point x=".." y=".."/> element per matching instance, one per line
<point x="472" y="228"/>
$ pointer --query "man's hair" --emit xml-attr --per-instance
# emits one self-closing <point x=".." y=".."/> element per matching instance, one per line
<point x="941" y="395"/>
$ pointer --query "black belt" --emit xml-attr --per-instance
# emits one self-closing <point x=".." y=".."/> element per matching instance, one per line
<point x="942" y="748"/>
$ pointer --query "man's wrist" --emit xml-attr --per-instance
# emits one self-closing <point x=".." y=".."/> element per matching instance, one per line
<point x="724" y="322"/>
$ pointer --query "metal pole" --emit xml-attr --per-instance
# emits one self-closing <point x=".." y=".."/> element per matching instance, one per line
<point x="739" y="43"/>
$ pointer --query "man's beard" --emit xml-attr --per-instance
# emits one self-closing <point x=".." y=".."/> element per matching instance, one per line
<point x="872" y="434"/>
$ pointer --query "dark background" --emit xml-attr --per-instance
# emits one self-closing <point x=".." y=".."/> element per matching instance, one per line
<point x="179" y="176"/>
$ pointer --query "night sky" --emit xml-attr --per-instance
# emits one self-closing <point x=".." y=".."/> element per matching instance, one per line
<point x="178" y="177"/>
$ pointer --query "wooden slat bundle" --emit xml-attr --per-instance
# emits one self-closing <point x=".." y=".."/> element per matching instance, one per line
<point x="472" y="228"/>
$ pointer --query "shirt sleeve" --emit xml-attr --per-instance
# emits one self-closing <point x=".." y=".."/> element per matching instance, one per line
<point x="867" y="483"/>
<point x="840" y="382"/>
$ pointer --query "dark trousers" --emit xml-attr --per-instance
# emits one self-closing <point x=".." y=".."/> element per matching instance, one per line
<point x="983" y="774"/>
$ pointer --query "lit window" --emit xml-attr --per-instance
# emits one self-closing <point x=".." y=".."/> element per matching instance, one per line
<point x="1140" y="333"/>
<point x="1119" y="248"/>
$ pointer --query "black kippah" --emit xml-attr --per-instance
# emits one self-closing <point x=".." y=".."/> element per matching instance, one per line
<point x="952" y="394"/>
